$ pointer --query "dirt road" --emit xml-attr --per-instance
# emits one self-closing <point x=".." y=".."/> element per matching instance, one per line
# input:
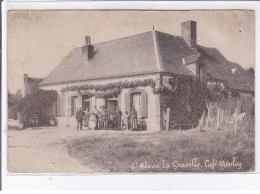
<point x="43" y="150"/>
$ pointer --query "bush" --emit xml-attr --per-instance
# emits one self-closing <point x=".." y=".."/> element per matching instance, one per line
<point x="187" y="104"/>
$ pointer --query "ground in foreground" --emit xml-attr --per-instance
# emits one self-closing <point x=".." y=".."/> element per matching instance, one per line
<point x="63" y="149"/>
<point x="173" y="151"/>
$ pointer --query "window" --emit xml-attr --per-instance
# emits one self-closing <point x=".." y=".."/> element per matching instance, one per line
<point x="136" y="102"/>
<point x="137" y="98"/>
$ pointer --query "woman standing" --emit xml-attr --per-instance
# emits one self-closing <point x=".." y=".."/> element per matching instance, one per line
<point x="125" y="122"/>
<point x="133" y="116"/>
<point x="93" y="121"/>
<point x="86" y="118"/>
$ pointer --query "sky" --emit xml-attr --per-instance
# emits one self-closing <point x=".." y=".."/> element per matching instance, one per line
<point x="39" y="40"/>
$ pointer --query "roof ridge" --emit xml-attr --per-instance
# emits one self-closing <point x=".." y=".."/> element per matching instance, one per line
<point x="156" y="51"/>
<point x="207" y="54"/>
<point x="122" y="38"/>
<point x="133" y="36"/>
<point x="80" y="47"/>
<point x="165" y="33"/>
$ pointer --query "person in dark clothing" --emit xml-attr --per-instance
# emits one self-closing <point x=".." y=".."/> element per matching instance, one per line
<point x="118" y="115"/>
<point x="79" y="117"/>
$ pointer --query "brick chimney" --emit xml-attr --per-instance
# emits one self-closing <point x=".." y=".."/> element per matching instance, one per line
<point x="88" y="50"/>
<point x="25" y="88"/>
<point x="25" y="78"/>
<point x="189" y="33"/>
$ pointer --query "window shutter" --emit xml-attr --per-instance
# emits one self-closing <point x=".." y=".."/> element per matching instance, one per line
<point x="127" y="103"/>
<point x="143" y="104"/>
<point x="119" y="101"/>
<point x="79" y="102"/>
<point x="69" y="106"/>
<point x="59" y="99"/>
<point x="60" y="104"/>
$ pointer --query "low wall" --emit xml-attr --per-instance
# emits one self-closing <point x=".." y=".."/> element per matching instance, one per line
<point x="14" y="124"/>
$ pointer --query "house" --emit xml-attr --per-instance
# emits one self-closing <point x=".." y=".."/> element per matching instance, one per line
<point x="128" y="71"/>
<point x="34" y="100"/>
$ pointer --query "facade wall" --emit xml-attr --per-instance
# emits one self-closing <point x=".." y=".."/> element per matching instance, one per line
<point x="152" y="105"/>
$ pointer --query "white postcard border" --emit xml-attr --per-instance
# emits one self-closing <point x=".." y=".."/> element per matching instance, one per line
<point x="186" y="181"/>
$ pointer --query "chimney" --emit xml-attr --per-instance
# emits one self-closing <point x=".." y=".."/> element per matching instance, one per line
<point x="25" y="77"/>
<point x="26" y="85"/>
<point x="88" y="50"/>
<point x="189" y="33"/>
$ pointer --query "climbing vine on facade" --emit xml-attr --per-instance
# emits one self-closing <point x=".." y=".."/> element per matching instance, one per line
<point x="107" y="90"/>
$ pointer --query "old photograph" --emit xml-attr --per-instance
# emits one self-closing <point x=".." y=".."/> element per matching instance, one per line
<point x="109" y="91"/>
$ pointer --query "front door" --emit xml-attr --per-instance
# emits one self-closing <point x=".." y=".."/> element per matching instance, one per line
<point x="111" y="105"/>
<point x="85" y="103"/>
<point x="136" y="102"/>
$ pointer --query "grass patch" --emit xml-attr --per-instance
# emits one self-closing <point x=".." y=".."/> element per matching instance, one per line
<point x="174" y="151"/>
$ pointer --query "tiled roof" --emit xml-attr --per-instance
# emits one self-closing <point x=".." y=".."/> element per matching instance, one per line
<point x="31" y="79"/>
<point x="138" y="54"/>
<point x="125" y="56"/>
<point x="232" y="74"/>
<point x="171" y="51"/>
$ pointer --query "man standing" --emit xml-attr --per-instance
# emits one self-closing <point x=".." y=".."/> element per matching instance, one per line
<point x="118" y="115"/>
<point x="79" y="117"/>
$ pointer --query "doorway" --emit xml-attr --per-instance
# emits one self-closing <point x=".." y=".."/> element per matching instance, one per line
<point x="85" y="103"/>
<point x="111" y="105"/>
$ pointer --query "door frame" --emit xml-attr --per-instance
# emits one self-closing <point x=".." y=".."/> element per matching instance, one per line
<point x="73" y="105"/>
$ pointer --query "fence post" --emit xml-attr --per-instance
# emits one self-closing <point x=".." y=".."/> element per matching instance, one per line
<point x="222" y="117"/>
<point x="235" y="120"/>
<point x="218" y="119"/>
<point x="201" y="123"/>
<point x="168" y="119"/>
<point x="207" y="125"/>
<point x="235" y="123"/>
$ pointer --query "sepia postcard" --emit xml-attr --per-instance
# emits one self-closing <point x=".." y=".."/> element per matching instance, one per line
<point x="128" y="91"/>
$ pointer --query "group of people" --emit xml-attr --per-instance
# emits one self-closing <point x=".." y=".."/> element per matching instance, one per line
<point x="104" y="119"/>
